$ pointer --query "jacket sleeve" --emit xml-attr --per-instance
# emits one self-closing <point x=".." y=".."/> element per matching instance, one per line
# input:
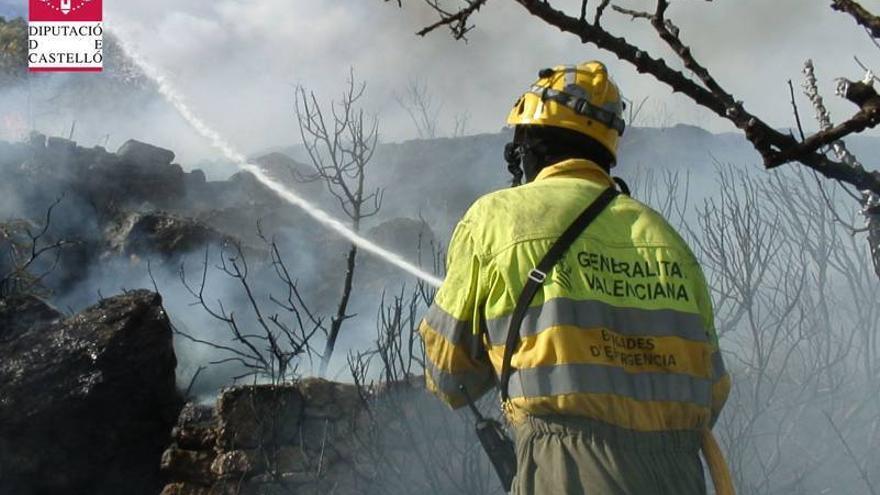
<point x="718" y="373"/>
<point x="450" y="329"/>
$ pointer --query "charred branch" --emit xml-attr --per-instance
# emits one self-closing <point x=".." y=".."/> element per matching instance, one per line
<point x="340" y="141"/>
<point x="271" y="347"/>
<point x="25" y="255"/>
<point x="341" y="310"/>
<point x="600" y="10"/>
<point x="797" y="113"/>
<point x="456" y="21"/>
<point x="864" y="18"/>
<point x="864" y="119"/>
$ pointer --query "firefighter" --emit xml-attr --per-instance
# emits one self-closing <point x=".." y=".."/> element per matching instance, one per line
<point x="616" y="376"/>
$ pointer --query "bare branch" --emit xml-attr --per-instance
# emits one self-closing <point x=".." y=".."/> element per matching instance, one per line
<point x="870" y="21"/>
<point x="457" y="22"/>
<point x="24" y="256"/>
<point x="599" y="11"/>
<point x="192" y="382"/>
<point x="423" y="111"/>
<point x="855" y="460"/>
<point x="340" y="154"/>
<point x="864" y="119"/>
<point x="794" y="108"/>
<point x="634" y="14"/>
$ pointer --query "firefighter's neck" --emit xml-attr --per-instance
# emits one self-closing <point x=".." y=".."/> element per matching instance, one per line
<point x="573" y="167"/>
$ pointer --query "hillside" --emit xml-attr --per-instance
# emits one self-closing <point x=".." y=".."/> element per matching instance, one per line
<point x="438" y="179"/>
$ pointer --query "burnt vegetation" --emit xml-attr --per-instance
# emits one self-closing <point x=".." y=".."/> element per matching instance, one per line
<point x="270" y="297"/>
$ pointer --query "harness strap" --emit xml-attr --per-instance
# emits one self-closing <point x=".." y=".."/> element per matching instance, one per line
<point x="537" y="276"/>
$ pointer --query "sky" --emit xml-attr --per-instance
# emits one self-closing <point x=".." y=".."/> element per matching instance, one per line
<point x="238" y="61"/>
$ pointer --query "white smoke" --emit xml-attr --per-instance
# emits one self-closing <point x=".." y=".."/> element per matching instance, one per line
<point x="217" y="141"/>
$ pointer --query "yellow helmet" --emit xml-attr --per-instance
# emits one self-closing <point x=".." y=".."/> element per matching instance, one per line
<point x="581" y="98"/>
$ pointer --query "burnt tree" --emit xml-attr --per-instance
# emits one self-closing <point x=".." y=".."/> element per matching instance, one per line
<point x="340" y="141"/>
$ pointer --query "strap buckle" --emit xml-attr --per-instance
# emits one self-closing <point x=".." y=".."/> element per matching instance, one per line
<point x="537" y="275"/>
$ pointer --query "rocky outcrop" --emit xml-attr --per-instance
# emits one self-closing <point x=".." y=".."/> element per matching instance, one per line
<point x="160" y="232"/>
<point x="144" y="155"/>
<point x="137" y="174"/>
<point x="135" y="203"/>
<point x="317" y="437"/>
<point x="86" y="402"/>
<point x="21" y="313"/>
<point x="293" y="438"/>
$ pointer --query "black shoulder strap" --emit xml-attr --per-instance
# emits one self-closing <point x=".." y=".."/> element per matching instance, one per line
<point x="538" y="274"/>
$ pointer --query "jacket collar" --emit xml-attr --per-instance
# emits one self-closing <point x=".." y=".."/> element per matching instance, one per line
<point x="576" y="168"/>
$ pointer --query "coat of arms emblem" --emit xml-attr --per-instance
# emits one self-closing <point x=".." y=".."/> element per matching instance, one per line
<point x="65" y="6"/>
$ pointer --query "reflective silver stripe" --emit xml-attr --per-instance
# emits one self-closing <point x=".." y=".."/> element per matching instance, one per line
<point x="718" y="369"/>
<point x="475" y="382"/>
<point x="572" y="93"/>
<point x="577" y="91"/>
<point x="570" y="75"/>
<point x="606" y="114"/>
<point x="453" y="329"/>
<point x="632" y="322"/>
<point x="599" y="379"/>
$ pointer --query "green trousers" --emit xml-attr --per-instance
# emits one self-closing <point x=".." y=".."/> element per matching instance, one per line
<point x="568" y="455"/>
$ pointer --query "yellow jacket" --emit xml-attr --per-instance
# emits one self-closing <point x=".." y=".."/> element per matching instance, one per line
<point x="621" y="331"/>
